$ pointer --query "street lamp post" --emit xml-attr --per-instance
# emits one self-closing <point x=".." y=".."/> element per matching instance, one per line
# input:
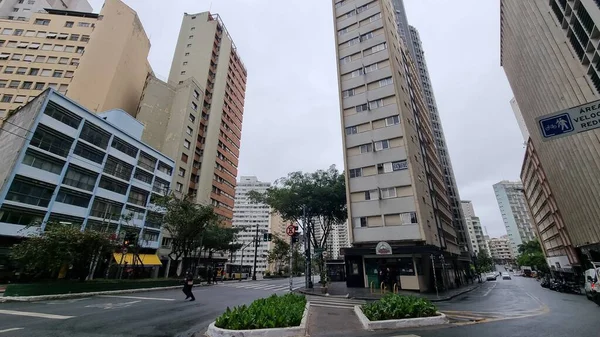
<point x="255" y="252"/>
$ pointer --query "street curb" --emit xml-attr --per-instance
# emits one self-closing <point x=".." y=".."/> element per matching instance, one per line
<point x="448" y="298"/>
<point x="294" y="331"/>
<point x="79" y="295"/>
<point x="399" y="323"/>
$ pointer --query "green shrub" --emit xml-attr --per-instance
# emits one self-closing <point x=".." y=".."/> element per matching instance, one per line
<point x="265" y="313"/>
<point x="395" y="306"/>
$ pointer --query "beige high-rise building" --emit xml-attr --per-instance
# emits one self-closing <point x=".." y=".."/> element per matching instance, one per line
<point x="99" y="60"/>
<point x="23" y="9"/>
<point x="395" y="184"/>
<point x="550" y="55"/>
<point x="501" y="250"/>
<point x="200" y="124"/>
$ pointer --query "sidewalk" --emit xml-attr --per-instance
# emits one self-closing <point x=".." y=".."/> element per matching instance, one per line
<point x="339" y="289"/>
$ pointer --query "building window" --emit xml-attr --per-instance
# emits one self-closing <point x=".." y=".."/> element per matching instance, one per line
<point x="113" y="185"/>
<point x="69" y="24"/>
<point x="351" y="130"/>
<point x="27" y="85"/>
<point x="194" y="106"/>
<point x="346" y="59"/>
<point x="147" y="162"/>
<point x="354" y="41"/>
<point x="196" y="94"/>
<point x="409" y="218"/>
<point x="371" y="68"/>
<point x="83" y="24"/>
<point x="79" y="179"/>
<point x="14" y="84"/>
<point x="384" y="168"/>
<point x="386" y="81"/>
<point x="43" y="22"/>
<point x="125" y="147"/>
<point x="371" y="195"/>
<point x="43" y="162"/>
<point x="360" y="222"/>
<point x="382" y="145"/>
<point x="88" y="153"/>
<point x="192" y="118"/>
<point x="6" y="98"/>
<point x="387" y="193"/>
<point x="375" y="104"/>
<point x="57" y="74"/>
<point x="20" y="99"/>
<point x="95" y="135"/>
<point x="9" y="70"/>
<point x="39" y="86"/>
<point x="355" y="173"/>
<point x="347" y="93"/>
<point x="189" y="45"/>
<point x="143" y="176"/>
<point x="186" y="144"/>
<point x="394" y="120"/>
<point x="181" y="172"/>
<point x="85" y="38"/>
<point x="367" y="36"/>
<point x="366" y="148"/>
<point x="399" y="165"/>
<point x="137" y="197"/>
<point x="178" y="187"/>
<point x="189" y="131"/>
<point x="184" y="158"/>
<point x="362" y="107"/>
<point x="357" y="73"/>
<point x="30" y="192"/>
<point x="34" y="71"/>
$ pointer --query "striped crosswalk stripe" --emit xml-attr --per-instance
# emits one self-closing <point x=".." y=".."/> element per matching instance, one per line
<point x="258" y="286"/>
<point x="333" y="302"/>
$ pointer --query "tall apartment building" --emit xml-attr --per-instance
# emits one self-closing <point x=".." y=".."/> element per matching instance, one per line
<point x="23" y="9"/>
<point x="500" y="249"/>
<point x="475" y="231"/>
<point x="76" y="54"/>
<point x="251" y="218"/>
<point x="547" y="219"/>
<point x="395" y="182"/>
<point x="337" y="238"/>
<point x="510" y="196"/>
<point x="205" y="52"/>
<point x="530" y="30"/>
<point x="63" y="163"/>
<point x="411" y="37"/>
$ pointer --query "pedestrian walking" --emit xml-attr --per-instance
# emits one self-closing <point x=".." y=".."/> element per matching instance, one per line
<point x="187" y="287"/>
<point x="215" y="273"/>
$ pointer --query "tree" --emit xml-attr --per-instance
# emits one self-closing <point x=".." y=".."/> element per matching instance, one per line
<point x="310" y="200"/>
<point x="531" y="254"/>
<point x="185" y="222"/>
<point x="484" y="261"/>
<point x="280" y="253"/>
<point x="62" y="245"/>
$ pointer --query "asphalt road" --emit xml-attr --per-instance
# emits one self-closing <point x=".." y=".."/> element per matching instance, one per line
<point x="148" y="314"/>
<point x="517" y="308"/>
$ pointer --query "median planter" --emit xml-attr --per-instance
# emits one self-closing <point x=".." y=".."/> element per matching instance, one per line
<point x="283" y="316"/>
<point x="396" y="311"/>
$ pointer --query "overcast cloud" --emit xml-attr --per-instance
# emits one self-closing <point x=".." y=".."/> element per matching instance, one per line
<point x="291" y="117"/>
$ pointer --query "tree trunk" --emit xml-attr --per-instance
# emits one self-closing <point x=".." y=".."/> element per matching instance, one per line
<point x="168" y="268"/>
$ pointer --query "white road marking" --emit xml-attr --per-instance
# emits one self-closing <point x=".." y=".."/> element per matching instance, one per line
<point x="489" y="290"/>
<point x="330" y="306"/>
<point x="111" y="306"/>
<point x="11" y="329"/>
<point x="139" y="298"/>
<point x="33" y="314"/>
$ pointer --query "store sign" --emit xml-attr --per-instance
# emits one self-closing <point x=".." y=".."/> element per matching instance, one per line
<point x="383" y="248"/>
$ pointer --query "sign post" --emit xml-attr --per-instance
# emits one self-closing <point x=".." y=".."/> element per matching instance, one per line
<point x="571" y="121"/>
<point x="290" y="231"/>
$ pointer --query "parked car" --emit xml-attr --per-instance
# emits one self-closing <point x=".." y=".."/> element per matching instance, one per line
<point x="591" y="283"/>
<point x="491" y="277"/>
<point x="506" y="276"/>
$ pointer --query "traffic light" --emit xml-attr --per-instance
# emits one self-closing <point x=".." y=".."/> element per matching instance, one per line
<point x="296" y="237"/>
<point x="267" y="237"/>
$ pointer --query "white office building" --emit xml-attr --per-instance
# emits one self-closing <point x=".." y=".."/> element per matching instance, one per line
<point x="23" y="9"/>
<point x="515" y="213"/>
<point x="476" y="236"/>
<point x="251" y="217"/>
<point x="63" y="163"/>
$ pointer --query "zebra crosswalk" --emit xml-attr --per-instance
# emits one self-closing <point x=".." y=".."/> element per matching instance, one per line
<point x="281" y="287"/>
<point x="333" y="302"/>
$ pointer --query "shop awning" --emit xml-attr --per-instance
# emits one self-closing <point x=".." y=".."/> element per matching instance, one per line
<point x="147" y="260"/>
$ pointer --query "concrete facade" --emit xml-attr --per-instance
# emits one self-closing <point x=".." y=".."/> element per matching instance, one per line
<point x="250" y="217"/>
<point x="411" y="37"/>
<point x="510" y="196"/>
<point x="22" y="10"/>
<point x="395" y="182"/>
<point x="549" y="42"/>
<point x="206" y="52"/>
<point x="548" y="222"/>
<point x="520" y="120"/>
<point x="476" y="236"/>
<point x="100" y="60"/>
<point x="500" y="249"/>
<point x="80" y="168"/>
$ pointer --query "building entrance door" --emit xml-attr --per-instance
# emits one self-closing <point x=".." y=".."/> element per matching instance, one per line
<point x="354" y="272"/>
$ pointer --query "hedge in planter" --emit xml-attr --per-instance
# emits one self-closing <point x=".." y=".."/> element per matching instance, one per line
<point x="394" y="306"/>
<point x="265" y="313"/>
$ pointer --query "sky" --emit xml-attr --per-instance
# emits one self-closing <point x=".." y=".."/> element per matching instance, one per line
<point x="292" y="118"/>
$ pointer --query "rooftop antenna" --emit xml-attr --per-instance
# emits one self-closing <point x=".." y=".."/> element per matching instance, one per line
<point x="210" y="7"/>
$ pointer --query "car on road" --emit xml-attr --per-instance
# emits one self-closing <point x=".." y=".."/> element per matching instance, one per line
<point x="491" y="277"/>
<point x="506" y="276"/>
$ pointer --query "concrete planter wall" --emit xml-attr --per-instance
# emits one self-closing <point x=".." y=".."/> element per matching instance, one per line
<point x="297" y="331"/>
<point x="399" y="323"/>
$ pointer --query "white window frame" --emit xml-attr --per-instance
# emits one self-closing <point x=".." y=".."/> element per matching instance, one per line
<point x="375" y="17"/>
<point x="393" y="120"/>
<point x="357" y="174"/>
<point x="358" y="72"/>
<point x="353" y="41"/>
<point x="371" y="195"/>
<point x="353" y="130"/>
<point x="348" y="93"/>
<point x="382" y="145"/>
<point x="387" y="168"/>
<point x="388" y="193"/>
<point x="371" y="68"/>
<point x="362" y="107"/>
<point x="366" y="148"/>
<point x="375" y="104"/>
<point x="367" y="36"/>
<point x="346" y="59"/>
<point x="386" y="81"/>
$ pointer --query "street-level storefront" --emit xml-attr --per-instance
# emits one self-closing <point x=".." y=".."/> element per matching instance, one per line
<point x="415" y="268"/>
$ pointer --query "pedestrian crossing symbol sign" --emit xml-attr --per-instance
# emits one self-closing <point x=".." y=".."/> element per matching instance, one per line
<point x="556" y="125"/>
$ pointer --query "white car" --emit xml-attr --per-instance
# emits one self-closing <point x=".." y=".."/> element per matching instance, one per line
<point x="506" y="276"/>
<point x="491" y="277"/>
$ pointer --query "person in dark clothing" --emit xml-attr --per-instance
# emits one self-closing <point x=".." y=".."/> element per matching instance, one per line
<point x="215" y="276"/>
<point x="187" y="287"/>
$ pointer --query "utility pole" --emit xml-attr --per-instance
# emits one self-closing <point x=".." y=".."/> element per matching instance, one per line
<point x="308" y="269"/>
<point x="291" y="262"/>
<point x="255" y="252"/>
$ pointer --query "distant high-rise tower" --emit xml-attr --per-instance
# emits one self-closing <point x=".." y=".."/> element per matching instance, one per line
<point x="397" y="198"/>
<point x="415" y="47"/>
<point x="513" y="206"/>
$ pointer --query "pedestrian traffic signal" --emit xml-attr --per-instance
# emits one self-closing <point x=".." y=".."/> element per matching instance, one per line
<point x="296" y="237"/>
<point x="267" y="237"/>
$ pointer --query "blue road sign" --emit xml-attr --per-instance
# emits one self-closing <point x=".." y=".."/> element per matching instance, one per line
<point x="556" y="125"/>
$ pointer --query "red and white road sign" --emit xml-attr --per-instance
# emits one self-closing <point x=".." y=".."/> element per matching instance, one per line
<point x="290" y="230"/>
